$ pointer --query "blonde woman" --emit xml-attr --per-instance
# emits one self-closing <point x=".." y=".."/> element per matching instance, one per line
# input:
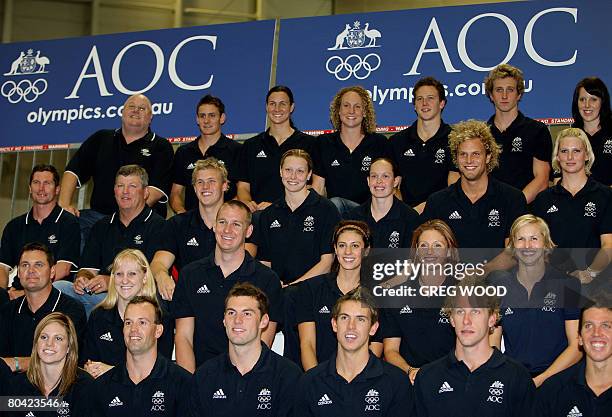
<point x="104" y="346"/>
<point x="53" y="369"/>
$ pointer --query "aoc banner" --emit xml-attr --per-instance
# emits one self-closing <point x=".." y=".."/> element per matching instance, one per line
<point x="555" y="43"/>
<point x="61" y="91"/>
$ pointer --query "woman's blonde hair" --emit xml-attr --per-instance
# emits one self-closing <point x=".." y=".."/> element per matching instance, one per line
<point x="574" y="132"/>
<point x="526" y="219"/>
<point x="69" y="371"/>
<point x="148" y="288"/>
<point x="368" y="124"/>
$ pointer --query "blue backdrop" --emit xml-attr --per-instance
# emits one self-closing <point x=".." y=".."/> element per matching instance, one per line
<point x="61" y="91"/>
<point x="555" y="43"/>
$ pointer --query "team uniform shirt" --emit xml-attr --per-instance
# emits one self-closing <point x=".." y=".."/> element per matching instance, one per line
<point x="522" y="141"/>
<point x="601" y="142"/>
<point x="59" y="231"/>
<point x="394" y="230"/>
<point x="201" y="291"/>
<point x="534" y="325"/>
<point x="187" y="237"/>
<point x="220" y="390"/>
<point x="293" y="241"/>
<point x="104" y="152"/>
<point x="104" y="337"/>
<point x="425" y="330"/>
<point x="72" y="403"/>
<point x="162" y="393"/>
<point x="314" y="303"/>
<point x="483" y="224"/>
<point x="423" y="165"/>
<point x="17" y="322"/>
<point x="4" y="297"/>
<point x="576" y="221"/>
<point x="346" y="172"/>
<point x="260" y="163"/>
<point x="500" y="387"/>
<point x="568" y="394"/>
<point x="109" y="236"/>
<point x="225" y="150"/>
<point x="380" y="389"/>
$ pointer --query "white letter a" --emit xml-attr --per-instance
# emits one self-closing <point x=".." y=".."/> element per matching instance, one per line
<point x="93" y="57"/>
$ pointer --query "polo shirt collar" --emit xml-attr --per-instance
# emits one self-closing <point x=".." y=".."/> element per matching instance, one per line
<point x="373" y="368"/>
<point x="142" y="217"/>
<point x="496" y="360"/>
<point x="588" y="187"/>
<point x="48" y="306"/>
<point x="580" y="374"/>
<point x="262" y="365"/>
<point x="196" y="220"/>
<point x="148" y="137"/>
<point x="367" y="140"/>
<point x="492" y="190"/>
<point x="441" y="133"/>
<point x="54" y="216"/>
<point x="332" y="282"/>
<point x="311" y="199"/>
<point x="267" y="138"/>
<point x="520" y="118"/>
<point x="246" y="269"/>
<point x="158" y="372"/>
<point x="220" y="143"/>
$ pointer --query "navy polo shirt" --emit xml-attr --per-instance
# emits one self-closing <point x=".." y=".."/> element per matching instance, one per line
<point x="225" y="150"/>
<point x="426" y="333"/>
<point x="220" y="390"/>
<point x="259" y="163"/>
<point x="17" y="384"/>
<point x="500" y="387"/>
<point x="59" y="231"/>
<point x="522" y="141"/>
<point x="394" y="230"/>
<point x="104" y="337"/>
<point x="315" y="300"/>
<point x="568" y="394"/>
<point x="201" y="291"/>
<point x="601" y="142"/>
<point x="576" y="221"/>
<point x="423" y="165"/>
<point x="18" y="323"/>
<point x="484" y="224"/>
<point x="104" y="152"/>
<point x="162" y="393"/>
<point x="534" y="326"/>
<point x="187" y="237"/>
<point x="109" y="236"/>
<point x="381" y="389"/>
<point x="295" y="240"/>
<point x="346" y="172"/>
<point x="4" y="298"/>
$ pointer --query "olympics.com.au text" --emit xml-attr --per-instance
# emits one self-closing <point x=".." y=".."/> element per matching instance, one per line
<point x="67" y="116"/>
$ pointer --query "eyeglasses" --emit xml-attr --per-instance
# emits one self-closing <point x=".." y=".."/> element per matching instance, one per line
<point x="140" y="109"/>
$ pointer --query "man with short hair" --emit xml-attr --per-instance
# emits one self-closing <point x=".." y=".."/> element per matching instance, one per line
<point x="354" y="382"/>
<point x="526" y="144"/>
<point x="104" y="152"/>
<point x="19" y="317"/>
<point x="198" y="302"/>
<point x="147" y="384"/>
<point x="474" y="379"/>
<point x="210" y="117"/>
<point x="188" y="236"/>
<point x="133" y="226"/>
<point x="45" y="223"/>
<point x="478" y="208"/>
<point x="421" y="151"/>
<point x="584" y="389"/>
<point x="249" y="379"/>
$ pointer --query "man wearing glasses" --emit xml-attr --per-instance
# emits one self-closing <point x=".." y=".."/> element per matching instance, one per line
<point x="101" y="155"/>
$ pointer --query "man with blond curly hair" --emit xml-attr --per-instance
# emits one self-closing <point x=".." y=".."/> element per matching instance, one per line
<point x="479" y="208"/>
<point x="526" y="143"/>
<point x="342" y="159"/>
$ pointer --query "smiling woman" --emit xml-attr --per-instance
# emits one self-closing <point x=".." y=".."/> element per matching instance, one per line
<point x="104" y="345"/>
<point x="53" y="368"/>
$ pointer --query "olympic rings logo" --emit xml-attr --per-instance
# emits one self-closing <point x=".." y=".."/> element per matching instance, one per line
<point x="371" y="400"/>
<point x="496" y="391"/>
<point x="353" y="65"/>
<point x="157" y="401"/>
<point x="264" y="398"/>
<point x="24" y="90"/>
